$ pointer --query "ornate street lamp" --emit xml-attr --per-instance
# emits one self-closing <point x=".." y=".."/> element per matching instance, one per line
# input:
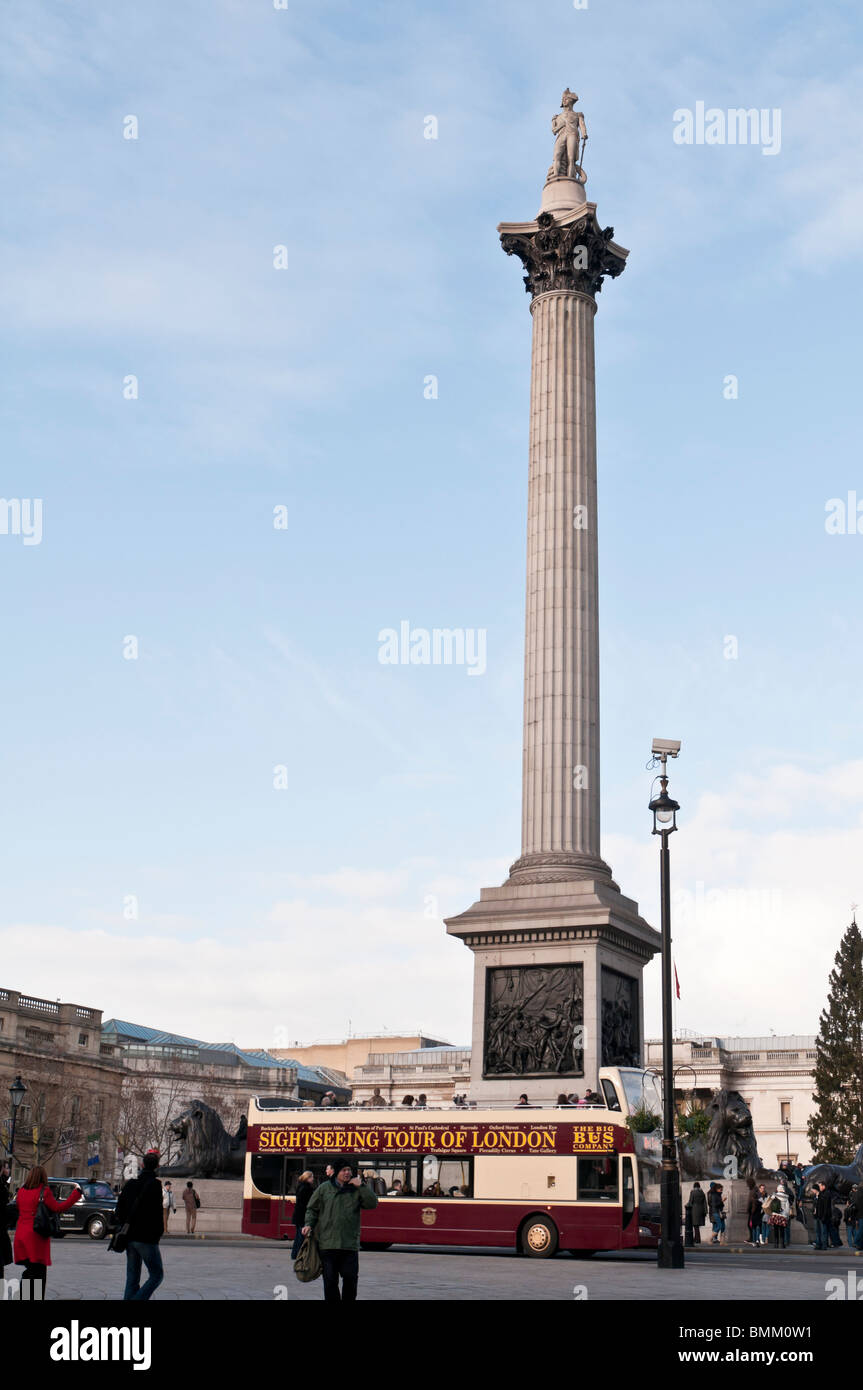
<point x="786" y="1124"/>
<point x="670" y="1252"/>
<point x="17" y="1092"/>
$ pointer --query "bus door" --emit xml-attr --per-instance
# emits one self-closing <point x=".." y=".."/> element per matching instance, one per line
<point x="286" y="1208"/>
<point x="627" y="1185"/>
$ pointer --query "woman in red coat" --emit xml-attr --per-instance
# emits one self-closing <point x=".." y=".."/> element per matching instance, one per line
<point x="31" y="1250"/>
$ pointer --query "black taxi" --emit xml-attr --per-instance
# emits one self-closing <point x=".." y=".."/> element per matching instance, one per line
<point x="94" y="1214"/>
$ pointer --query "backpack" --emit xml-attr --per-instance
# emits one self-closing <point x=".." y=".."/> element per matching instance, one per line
<point x="197" y="1201"/>
<point x="776" y="1206"/>
<point x="307" y="1265"/>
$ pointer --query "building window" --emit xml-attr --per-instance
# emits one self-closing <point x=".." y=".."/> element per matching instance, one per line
<point x="83" y="1039"/>
<point x="785" y="1112"/>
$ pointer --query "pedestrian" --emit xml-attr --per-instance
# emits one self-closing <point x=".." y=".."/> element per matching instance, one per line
<point x="167" y="1204"/>
<point x="698" y="1207"/>
<point x="716" y="1211"/>
<point x="522" y="1100"/>
<point x="563" y="1099"/>
<point x="33" y="1249"/>
<point x="333" y="1213"/>
<point x="835" y="1220"/>
<point x="823" y="1217"/>
<point x="779" y="1210"/>
<point x="764" y="1231"/>
<point x="753" y="1213"/>
<point x="305" y="1188"/>
<point x="574" y="1098"/>
<point x="855" y="1230"/>
<point x="422" y="1100"/>
<point x="140" y="1207"/>
<point x="191" y="1201"/>
<point x="5" y="1198"/>
<point x="329" y="1099"/>
<point x="407" y="1100"/>
<point x="786" y="1187"/>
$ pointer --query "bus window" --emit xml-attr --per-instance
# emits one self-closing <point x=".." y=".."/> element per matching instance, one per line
<point x="267" y="1173"/>
<point x="384" y="1177"/>
<point x="597" y="1179"/>
<point x="609" y="1090"/>
<point x="447" y="1177"/>
<point x="430" y="1176"/>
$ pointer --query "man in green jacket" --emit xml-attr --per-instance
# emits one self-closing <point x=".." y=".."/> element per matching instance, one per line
<point x="334" y="1213"/>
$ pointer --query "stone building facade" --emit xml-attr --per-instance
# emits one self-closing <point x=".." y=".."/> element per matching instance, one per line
<point x="67" y="1120"/>
<point x="343" y="1056"/>
<point x="439" y="1073"/>
<point x="774" y="1075"/>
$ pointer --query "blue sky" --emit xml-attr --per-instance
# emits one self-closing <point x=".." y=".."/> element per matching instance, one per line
<point x="267" y="913"/>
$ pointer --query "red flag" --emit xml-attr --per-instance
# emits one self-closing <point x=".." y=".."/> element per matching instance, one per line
<point x="676" y="983"/>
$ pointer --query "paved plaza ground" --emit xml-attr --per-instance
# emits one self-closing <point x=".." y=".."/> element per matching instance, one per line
<point x="262" y="1271"/>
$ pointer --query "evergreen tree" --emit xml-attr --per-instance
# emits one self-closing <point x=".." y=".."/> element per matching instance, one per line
<point x="836" y="1127"/>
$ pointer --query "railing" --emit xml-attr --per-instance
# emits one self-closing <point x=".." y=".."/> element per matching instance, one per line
<point x="405" y="1111"/>
<point x="82" y="1013"/>
<point x="39" y="1006"/>
<point x="419" y="1059"/>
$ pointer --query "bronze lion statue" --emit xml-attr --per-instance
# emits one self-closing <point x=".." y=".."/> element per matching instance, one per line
<point x="729" y="1137"/>
<point x="207" y="1150"/>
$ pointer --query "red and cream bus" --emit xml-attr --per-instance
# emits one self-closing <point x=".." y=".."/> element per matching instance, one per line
<point x="539" y="1179"/>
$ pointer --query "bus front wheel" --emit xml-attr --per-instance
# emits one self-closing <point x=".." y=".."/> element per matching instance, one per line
<point x="539" y="1238"/>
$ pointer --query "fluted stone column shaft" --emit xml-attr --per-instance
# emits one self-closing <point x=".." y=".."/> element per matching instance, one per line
<point x="560" y="805"/>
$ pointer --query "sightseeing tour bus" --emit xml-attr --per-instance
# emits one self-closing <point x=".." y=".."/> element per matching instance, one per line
<point x="538" y="1179"/>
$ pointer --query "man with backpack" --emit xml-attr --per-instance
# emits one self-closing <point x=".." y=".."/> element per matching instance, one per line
<point x="139" y="1207"/>
<point x="333" y="1214"/>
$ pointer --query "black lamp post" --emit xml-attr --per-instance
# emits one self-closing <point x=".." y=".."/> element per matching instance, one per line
<point x="670" y="1252"/>
<point x="17" y="1092"/>
<point x="786" y="1124"/>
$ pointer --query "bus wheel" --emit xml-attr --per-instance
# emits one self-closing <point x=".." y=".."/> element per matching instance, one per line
<point x="375" y="1244"/>
<point x="539" y="1237"/>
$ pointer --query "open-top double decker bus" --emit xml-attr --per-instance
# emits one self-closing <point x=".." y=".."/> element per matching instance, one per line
<point x="539" y="1178"/>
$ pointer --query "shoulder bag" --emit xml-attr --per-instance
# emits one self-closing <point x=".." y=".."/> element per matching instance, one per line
<point x="120" y="1238"/>
<point x="45" y="1221"/>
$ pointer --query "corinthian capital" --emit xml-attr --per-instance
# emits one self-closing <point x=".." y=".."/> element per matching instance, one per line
<point x="564" y="255"/>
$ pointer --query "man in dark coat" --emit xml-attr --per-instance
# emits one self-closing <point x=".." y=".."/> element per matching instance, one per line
<point x="823" y="1217"/>
<point x="5" y="1242"/>
<point x="698" y="1209"/>
<point x="855" y="1226"/>
<point x="140" y="1204"/>
<point x="305" y="1188"/>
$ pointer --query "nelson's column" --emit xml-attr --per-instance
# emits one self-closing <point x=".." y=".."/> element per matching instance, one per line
<point x="559" y="952"/>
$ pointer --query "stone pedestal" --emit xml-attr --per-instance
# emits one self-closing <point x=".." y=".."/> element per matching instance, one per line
<point x="221" y="1210"/>
<point x="559" y="951"/>
<point x="580" y="942"/>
